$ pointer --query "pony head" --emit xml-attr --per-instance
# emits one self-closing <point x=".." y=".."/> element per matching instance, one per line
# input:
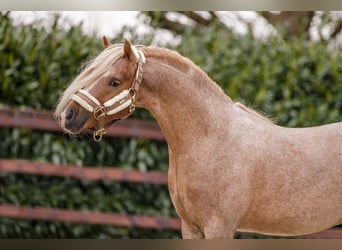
<point x="104" y="91"/>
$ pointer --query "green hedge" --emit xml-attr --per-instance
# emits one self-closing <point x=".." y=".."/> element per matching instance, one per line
<point x="37" y="63"/>
<point x="297" y="82"/>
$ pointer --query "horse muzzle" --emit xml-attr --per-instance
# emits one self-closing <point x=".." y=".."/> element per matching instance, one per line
<point x="72" y="120"/>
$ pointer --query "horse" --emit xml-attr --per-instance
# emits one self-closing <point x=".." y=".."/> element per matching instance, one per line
<point x="230" y="168"/>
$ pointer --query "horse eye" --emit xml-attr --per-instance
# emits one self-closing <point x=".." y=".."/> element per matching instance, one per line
<point x="114" y="83"/>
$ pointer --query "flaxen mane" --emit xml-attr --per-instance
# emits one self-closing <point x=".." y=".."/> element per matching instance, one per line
<point x="253" y="112"/>
<point x="186" y="65"/>
<point x="177" y="60"/>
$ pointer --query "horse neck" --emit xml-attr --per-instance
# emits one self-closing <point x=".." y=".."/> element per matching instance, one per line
<point x="185" y="102"/>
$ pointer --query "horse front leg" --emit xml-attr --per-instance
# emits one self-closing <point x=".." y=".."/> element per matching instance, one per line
<point x="218" y="228"/>
<point x="191" y="232"/>
<point x="215" y="228"/>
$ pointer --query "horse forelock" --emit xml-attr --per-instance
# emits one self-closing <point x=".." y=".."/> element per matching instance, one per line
<point x="92" y="71"/>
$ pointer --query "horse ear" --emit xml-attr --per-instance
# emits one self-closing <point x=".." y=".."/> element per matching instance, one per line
<point x="106" y="42"/>
<point x="128" y="51"/>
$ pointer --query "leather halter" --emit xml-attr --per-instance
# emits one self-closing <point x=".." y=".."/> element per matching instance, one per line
<point x="125" y="100"/>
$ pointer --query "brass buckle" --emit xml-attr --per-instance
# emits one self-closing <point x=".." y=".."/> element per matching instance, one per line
<point x="97" y="136"/>
<point x="99" y="111"/>
<point x="132" y="94"/>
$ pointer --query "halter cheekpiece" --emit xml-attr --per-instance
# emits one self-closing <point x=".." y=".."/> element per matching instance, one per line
<point x="124" y="100"/>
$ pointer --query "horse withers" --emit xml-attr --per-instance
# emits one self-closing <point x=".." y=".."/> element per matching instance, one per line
<point x="230" y="168"/>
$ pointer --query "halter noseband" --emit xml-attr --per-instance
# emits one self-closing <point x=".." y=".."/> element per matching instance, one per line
<point x="124" y="100"/>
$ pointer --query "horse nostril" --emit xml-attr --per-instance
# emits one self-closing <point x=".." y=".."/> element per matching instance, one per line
<point x="69" y="115"/>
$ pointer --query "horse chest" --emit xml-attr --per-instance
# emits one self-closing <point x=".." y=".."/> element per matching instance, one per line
<point x="188" y="193"/>
<point x="179" y="185"/>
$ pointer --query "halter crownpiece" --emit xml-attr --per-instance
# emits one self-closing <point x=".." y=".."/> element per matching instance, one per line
<point x="124" y="100"/>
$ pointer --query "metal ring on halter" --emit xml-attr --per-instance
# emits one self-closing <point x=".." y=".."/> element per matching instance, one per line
<point x="97" y="136"/>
